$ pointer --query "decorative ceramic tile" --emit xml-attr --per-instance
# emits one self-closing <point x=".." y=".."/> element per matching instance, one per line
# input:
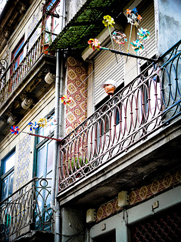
<point x="72" y="61"/>
<point x="70" y="117"/>
<point x="22" y="175"/>
<point x="145" y="192"/>
<point x="76" y="89"/>
<point x="71" y="88"/>
<point x="71" y="74"/>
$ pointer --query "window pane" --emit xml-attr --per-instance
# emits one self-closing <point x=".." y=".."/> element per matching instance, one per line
<point x="41" y="162"/>
<point x="9" y="162"/>
<point x="4" y="188"/>
<point x="10" y="187"/>
<point x="50" y="156"/>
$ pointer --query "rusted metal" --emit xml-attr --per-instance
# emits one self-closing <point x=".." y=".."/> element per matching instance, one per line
<point x="141" y="108"/>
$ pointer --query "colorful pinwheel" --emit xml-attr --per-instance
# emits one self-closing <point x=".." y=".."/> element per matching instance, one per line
<point x="42" y="122"/>
<point x="133" y="17"/>
<point x="119" y="38"/>
<point x="143" y="33"/>
<point x="94" y="44"/>
<point x="137" y="45"/>
<point x="14" y="130"/>
<point x="33" y="125"/>
<point x="108" y="21"/>
<point x="65" y="100"/>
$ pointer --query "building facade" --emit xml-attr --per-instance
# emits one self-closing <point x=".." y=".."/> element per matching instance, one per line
<point x="78" y="164"/>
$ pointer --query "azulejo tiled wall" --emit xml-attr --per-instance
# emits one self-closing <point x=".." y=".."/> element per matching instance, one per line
<point x="138" y="195"/>
<point x="77" y="90"/>
<point x="23" y="164"/>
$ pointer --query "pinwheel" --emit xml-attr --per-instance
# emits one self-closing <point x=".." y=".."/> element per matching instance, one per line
<point x="94" y="44"/>
<point x="137" y="45"/>
<point x="42" y="122"/>
<point x="108" y="21"/>
<point x="65" y="100"/>
<point x="33" y="125"/>
<point x="133" y="17"/>
<point x="14" y="130"/>
<point x="143" y="34"/>
<point x="119" y="38"/>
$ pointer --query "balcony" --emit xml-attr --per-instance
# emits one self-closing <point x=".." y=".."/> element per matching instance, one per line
<point x="25" y="81"/>
<point x="129" y="139"/>
<point x="28" y="210"/>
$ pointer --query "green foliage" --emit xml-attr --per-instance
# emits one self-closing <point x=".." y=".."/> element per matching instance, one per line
<point x="75" y="164"/>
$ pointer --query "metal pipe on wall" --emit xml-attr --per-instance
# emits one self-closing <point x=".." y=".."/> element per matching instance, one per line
<point x="59" y="127"/>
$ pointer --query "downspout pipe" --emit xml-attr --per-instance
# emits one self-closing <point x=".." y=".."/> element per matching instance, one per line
<point x="59" y="128"/>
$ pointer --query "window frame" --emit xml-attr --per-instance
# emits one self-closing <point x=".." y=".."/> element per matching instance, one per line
<point x="17" y="54"/>
<point x="7" y="174"/>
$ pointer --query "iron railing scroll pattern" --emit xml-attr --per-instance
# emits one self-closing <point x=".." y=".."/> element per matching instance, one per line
<point x="138" y="110"/>
<point x="27" y="209"/>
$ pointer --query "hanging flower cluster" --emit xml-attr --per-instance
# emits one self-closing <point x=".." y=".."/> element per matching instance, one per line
<point x="66" y="100"/>
<point x="119" y="38"/>
<point x="133" y="17"/>
<point x="14" y="130"/>
<point x="137" y="45"/>
<point x="94" y="44"/>
<point x="108" y="21"/>
<point x="143" y="34"/>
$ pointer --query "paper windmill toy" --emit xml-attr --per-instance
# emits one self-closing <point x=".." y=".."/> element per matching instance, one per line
<point x="65" y="100"/>
<point x="14" y="130"/>
<point x="143" y="33"/>
<point x="137" y="45"/>
<point x="133" y="17"/>
<point x="94" y="44"/>
<point x="119" y="38"/>
<point x="108" y="21"/>
<point x="33" y="125"/>
<point x="42" y="122"/>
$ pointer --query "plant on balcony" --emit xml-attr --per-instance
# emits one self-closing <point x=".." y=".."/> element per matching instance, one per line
<point x="75" y="165"/>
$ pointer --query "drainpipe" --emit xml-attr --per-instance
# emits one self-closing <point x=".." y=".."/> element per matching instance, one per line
<point x="59" y="128"/>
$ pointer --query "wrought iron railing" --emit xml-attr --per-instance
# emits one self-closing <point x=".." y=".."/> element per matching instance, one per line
<point x="32" y="54"/>
<point x="27" y="209"/>
<point x="141" y="108"/>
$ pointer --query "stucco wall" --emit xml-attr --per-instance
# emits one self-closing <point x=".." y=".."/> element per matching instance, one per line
<point x="169" y="23"/>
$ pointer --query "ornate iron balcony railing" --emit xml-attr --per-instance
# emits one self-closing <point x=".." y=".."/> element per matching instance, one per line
<point x="27" y="209"/>
<point x="140" y="109"/>
<point x="12" y="77"/>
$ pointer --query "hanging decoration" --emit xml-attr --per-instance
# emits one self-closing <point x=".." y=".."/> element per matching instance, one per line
<point x="94" y="44"/>
<point x="108" y="21"/>
<point x="14" y="130"/>
<point x="137" y="45"/>
<point x="133" y="17"/>
<point x="66" y="100"/>
<point x="143" y="34"/>
<point x="119" y="38"/>
<point x="33" y="125"/>
<point x="42" y="122"/>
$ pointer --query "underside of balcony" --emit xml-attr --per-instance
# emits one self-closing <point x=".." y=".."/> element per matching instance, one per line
<point x="31" y="86"/>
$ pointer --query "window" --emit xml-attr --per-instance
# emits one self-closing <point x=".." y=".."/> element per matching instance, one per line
<point x="7" y="175"/>
<point x="52" y="22"/>
<point x="18" y="54"/>
<point x="44" y="166"/>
